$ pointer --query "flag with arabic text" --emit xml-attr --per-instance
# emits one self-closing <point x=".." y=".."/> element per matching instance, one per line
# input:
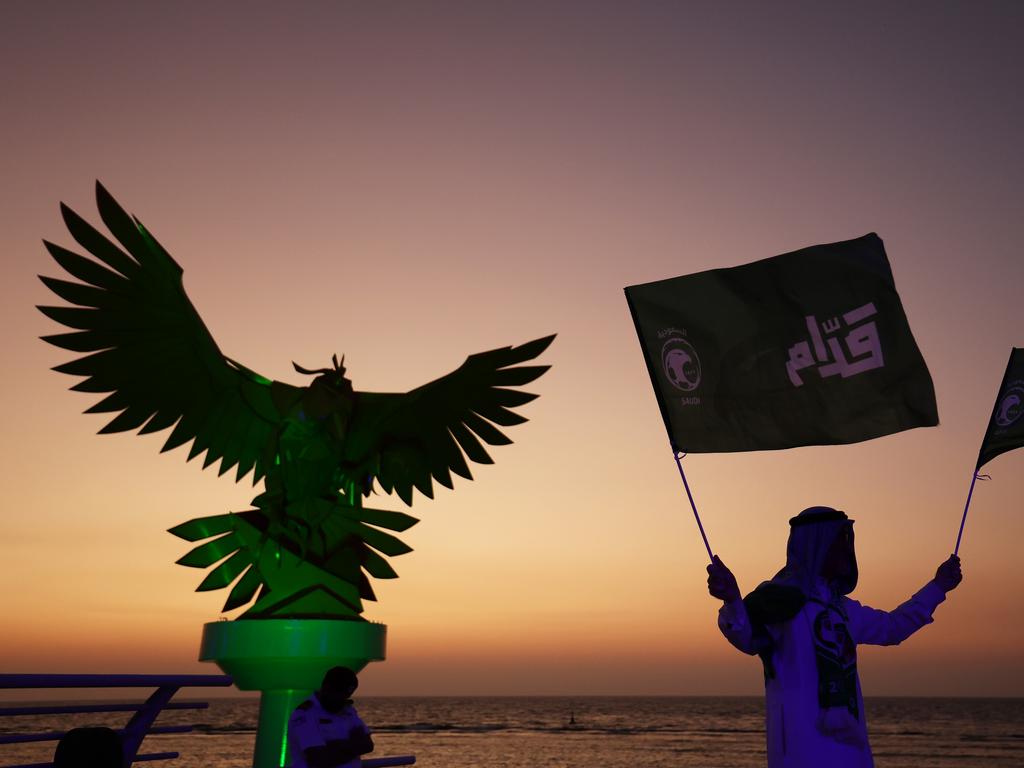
<point x="807" y="348"/>
<point x="1006" y="427"/>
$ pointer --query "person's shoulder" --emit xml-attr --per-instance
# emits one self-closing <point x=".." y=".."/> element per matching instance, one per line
<point x="774" y="603"/>
<point x="304" y="710"/>
<point x="849" y="607"/>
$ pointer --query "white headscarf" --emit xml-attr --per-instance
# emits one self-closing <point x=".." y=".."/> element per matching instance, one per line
<point x="811" y="535"/>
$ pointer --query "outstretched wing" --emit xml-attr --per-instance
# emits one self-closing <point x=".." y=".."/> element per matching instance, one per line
<point x="405" y="440"/>
<point x="146" y="346"/>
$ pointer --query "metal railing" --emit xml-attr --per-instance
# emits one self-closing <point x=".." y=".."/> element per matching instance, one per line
<point x="139" y="725"/>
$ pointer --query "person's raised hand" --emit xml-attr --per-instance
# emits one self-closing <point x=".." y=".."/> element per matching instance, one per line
<point x="948" y="575"/>
<point x="721" y="583"/>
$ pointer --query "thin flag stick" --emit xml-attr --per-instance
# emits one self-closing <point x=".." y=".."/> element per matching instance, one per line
<point x="963" y="519"/>
<point x="679" y="463"/>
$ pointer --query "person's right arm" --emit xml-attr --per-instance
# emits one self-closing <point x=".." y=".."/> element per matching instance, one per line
<point x="334" y="753"/>
<point x="733" y="620"/>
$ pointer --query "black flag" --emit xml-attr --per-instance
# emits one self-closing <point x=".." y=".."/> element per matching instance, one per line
<point x="807" y="348"/>
<point x="1006" y="427"/>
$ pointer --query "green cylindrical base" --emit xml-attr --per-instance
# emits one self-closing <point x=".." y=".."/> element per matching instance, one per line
<point x="276" y="708"/>
<point x="285" y="659"/>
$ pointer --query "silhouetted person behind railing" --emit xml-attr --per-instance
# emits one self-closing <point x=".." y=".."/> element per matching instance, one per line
<point x="325" y="730"/>
<point x="806" y="631"/>
<point x="89" y="748"/>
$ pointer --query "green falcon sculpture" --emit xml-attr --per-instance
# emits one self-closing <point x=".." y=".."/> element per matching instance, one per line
<point x="307" y="547"/>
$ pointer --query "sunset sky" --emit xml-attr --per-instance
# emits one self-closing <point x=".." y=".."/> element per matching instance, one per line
<point x="407" y="184"/>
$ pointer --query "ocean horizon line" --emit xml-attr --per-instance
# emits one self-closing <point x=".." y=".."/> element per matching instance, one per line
<point x="217" y="695"/>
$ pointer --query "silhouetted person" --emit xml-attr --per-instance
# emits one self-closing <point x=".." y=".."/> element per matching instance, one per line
<point x="89" y="748"/>
<point x="325" y="730"/>
<point x="806" y="632"/>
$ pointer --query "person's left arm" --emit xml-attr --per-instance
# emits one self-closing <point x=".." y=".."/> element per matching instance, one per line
<point x="360" y="738"/>
<point x="358" y="742"/>
<point x="874" y="627"/>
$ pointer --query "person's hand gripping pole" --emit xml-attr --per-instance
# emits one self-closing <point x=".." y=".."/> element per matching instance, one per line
<point x="721" y="583"/>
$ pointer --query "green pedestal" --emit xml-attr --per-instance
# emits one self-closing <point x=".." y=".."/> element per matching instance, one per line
<point x="285" y="659"/>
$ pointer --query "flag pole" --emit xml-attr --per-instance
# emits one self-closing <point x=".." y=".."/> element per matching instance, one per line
<point x="977" y="476"/>
<point x="963" y="519"/>
<point x="678" y="455"/>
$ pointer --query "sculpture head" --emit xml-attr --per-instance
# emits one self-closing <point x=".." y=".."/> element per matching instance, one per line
<point x="329" y="397"/>
<point x="332" y="380"/>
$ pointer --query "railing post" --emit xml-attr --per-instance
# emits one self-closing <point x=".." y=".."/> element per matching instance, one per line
<point x="140" y="722"/>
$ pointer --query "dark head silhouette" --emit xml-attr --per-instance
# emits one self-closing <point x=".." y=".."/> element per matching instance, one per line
<point x="89" y="748"/>
<point x="337" y="688"/>
<point x="820" y="546"/>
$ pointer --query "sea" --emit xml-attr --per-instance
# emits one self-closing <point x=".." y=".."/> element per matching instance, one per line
<point x="579" y="732"/>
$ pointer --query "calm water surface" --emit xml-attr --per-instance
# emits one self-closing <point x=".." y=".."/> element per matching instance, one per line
<point x="568" y="732"/>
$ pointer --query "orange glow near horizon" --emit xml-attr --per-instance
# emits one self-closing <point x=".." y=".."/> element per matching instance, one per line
<point x="408" y="191"/>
